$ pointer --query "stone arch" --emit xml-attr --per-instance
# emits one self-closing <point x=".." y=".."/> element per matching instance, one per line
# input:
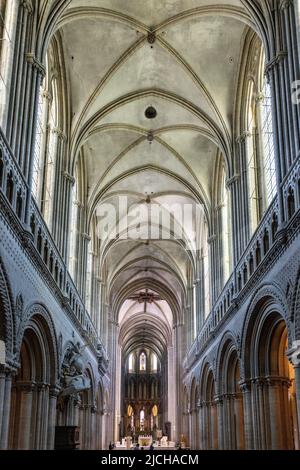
<point x="228" y="341"/>
<point x="87" y="412"/>
<point x="99" y="401"/>
<point x="185" y="431"/>
<point x="38" y="318"/>
<point x="267" y="298"/>
<point x="194" y="418"/>
<point x="209" y="418"/>
<point x="32" y="410"/>
<point x="231" y="398"/>
<point x="270" y="377"/>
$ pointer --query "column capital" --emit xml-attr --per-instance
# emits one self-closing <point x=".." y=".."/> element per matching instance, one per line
<point x="93" y="409"/>
<point x="47" y="95"/>
<point x="259" y="381"/>
<point x="243" y="136"/>
<point x="285" y="4"/>
<point x="220" y="206"/>
<point x="25" y="386"/>
<point x="232" y="180"/>
<point x="275" y="61"/>
<point x="112" y="320"/>
<point x="32" y="60"/>
<point x="27" y="4"/>
<point x="67" y="176"/>
<point x="245" y="386"/>
<point x="54" y="390"/>
<point x="60" y="134"/>
<point x="86" y="236"/>
<point x="218" y="399"/>
<point x="211" y="239"/>
<point x="42" y="385"/>
<point x="275" y="381"/>
<point x="8" y="370"/>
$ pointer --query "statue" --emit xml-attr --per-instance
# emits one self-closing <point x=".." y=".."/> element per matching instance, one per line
<point x="73" y="378"/>
<point x="102" y="360"/>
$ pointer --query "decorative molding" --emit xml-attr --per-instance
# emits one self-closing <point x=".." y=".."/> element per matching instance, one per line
<point x="27" y="4"/>
<point x="69" y="178"/>
<point x="32" y="60"/>
<point x="232" y="180"/>
<point x="60" y="134"/>
<point x="151" y="37"/>
<point x="242" y="137"/>
<point x="275" y="61"/>
<point x="86" y="236"/>
<point x="284" y="4"/>
<point x="211" y="239"/>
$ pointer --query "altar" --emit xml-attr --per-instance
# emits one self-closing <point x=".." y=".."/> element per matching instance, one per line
<point x="145" y="441"/>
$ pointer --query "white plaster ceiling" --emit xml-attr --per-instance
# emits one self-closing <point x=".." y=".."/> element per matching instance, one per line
<point x="189" y="74"/>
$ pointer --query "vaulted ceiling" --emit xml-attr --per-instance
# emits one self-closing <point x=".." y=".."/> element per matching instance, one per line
<point x="181" y="57"/>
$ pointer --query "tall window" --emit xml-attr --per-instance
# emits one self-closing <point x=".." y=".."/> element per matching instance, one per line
<point x="40" y="133"/>
<point x="130" y="363"/>
<point x="73" y="228"/>
<point x="45" y="149"/>
<point x="142" y="361"/>
<point x="50" y="157"/>
<point x="225" y="217"/>
<point x="269" y="169"/>
<point x="261" y="170"/>
<point x="154" y="362"/>
<point x="252" y="160"/>
<point x="206" y="272"/>
<point x="7" y="28"/>
<point x="89" y="277"/>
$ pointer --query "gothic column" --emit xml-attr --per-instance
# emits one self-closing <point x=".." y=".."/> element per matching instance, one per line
<point x="65" y="229"/>
<point x="203" y="426"/>
<point x="63" y="182"/>
<point x="214" y="425"/>
<point x="179" y="349"/>
<point x="261" y="413"/>
<point x="213" y="251"/>
<point x="5" y="400"/>
<point x="53" y="394"/>
<point x="236" y="208"/>
<point x="24" y="422"/>
<point x="41" y="416"/>
<point x="218" y="251"/>
<point x="245" y="387"/>
<point x="100" y="317"/>
<point x="297" y="20"/>
<point x="115" y="362"/>
<point x="199" y="307"/>
<point x="85" y="240"/>
<point x="7" y="56"/>
<point x="219" y="400"/>
<point x="239" y="425"/>
<point x="93" y="439"/>
<point x="2" y="392"/>
<point x="276" y="424"/>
